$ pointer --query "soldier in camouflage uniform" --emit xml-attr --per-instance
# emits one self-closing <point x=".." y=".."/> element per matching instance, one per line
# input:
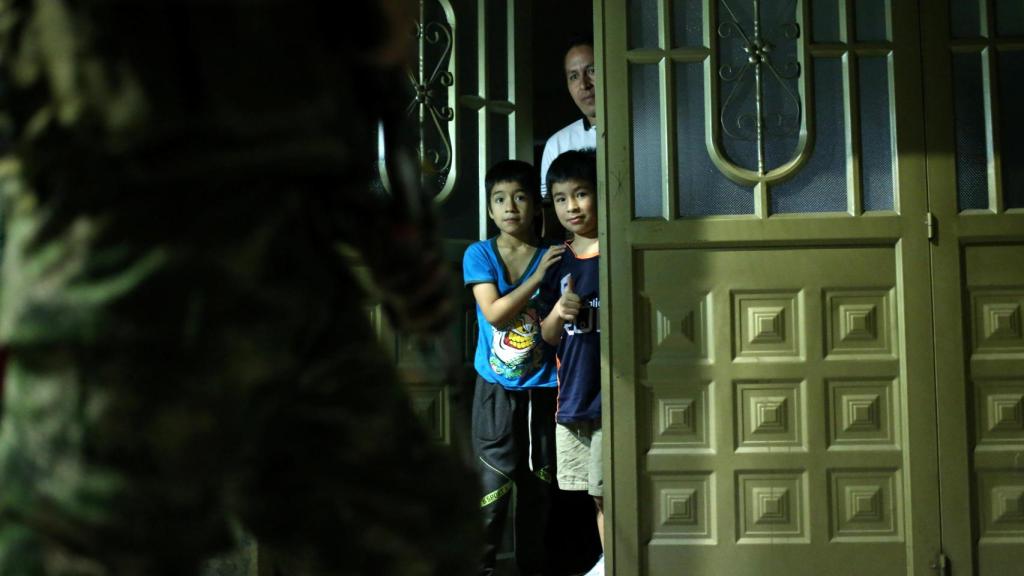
<point x="187" y="349"/>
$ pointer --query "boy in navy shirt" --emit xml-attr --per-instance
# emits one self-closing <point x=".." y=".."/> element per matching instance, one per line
<point x="569" y="293"/>
<point x="514" y="400"/>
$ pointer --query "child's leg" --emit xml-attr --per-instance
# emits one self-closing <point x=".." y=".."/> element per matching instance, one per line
<point x="596" y="480"/>
<point x="572" y="446"/>
<point x="535" y="436"/>
<point x="576" y="469"/>
<point x="495" y="446"/>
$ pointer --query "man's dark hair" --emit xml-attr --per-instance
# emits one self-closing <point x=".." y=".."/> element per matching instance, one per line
<point x="578" y="40"/>
<point x="522" y="173"/>
<point x="573" y="165"/>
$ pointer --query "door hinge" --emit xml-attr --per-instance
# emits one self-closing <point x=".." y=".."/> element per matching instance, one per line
<point x="930" y="224"/>
<point x="941" y="564"/>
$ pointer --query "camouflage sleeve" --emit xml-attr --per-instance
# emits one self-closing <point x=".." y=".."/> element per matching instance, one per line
<point x="146" y="106"/>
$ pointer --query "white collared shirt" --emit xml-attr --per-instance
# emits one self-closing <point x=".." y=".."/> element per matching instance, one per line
<point x="575" y="136"/>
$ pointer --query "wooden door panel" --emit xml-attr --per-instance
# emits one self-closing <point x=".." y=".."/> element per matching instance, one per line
<point x="994" y="295"/>
<point x="780" y="441"/>
<point x="972" y="61"/>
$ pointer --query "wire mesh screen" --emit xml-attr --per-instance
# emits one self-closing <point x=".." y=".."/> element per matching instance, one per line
<point x="781" y="92"/>
<point x="497" y="50"/>
<point x="643" y="23"/>
<point x="645" y="105"/>
<point x="687" y="23"/>
<point x="1010" y="17"/>
<point x="872" y="20"/>
<point x="965" y="18"/>
<point x="737" y="92"/>
<point x="497" y="137"/>
<point x="820" y="185"/>
<point x="1011" y="118"/>
<point x="702" y="189"/>
<point x="875" y="134"/>
<point x="969" y="123"/>
<point x="758" y="88"/>
<point x="825" y="20"/>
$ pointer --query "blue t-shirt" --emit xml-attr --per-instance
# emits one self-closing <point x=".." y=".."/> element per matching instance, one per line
<point x="579" y="351"/>
<point x="514" y="355"/>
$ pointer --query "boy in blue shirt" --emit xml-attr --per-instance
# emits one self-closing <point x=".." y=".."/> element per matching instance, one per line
<point x="569" y="294"/>
<point x="514" y="400"/>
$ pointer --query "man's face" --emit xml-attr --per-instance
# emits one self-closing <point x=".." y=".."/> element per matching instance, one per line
<point x="576" y="206"/>
<point x="579" y="77"/>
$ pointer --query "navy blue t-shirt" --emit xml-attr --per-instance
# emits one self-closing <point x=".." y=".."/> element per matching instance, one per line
<point x="579" y="351"/>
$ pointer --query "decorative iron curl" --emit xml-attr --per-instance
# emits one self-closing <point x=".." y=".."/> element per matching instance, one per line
<point x="790" y="70"/>
<point x="730" y="73"/>
<point x="758" y="68"/>
<point x="430" y="81"/>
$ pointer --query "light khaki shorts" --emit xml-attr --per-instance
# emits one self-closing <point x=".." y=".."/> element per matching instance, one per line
<point x="578" y="449"/>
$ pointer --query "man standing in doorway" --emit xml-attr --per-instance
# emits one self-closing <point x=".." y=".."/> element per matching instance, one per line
<point x="581" y="134"/>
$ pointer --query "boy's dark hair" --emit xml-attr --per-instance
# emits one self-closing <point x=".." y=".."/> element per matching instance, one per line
<point x="522" y="173"/>
<point x="573" y="165"/>
<point x="578" y="40"/>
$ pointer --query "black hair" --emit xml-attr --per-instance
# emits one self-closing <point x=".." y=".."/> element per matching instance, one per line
<point x="522" y="173"/>
<point x="573" y="165"/>
<point x="578" y="40"/>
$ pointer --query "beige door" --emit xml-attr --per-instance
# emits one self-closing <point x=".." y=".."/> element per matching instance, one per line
<point x="769" y="376"/>
<point x="974" y="78"/>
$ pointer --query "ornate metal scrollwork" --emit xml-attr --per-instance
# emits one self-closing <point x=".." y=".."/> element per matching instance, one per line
<point x="759" y="67"/>
<point x="432" y="97"/>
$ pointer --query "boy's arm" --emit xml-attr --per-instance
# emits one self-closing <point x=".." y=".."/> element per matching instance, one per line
<point x="551" y="327"/>
<point x="565" y="310"/>
<point x="499" y="309"/>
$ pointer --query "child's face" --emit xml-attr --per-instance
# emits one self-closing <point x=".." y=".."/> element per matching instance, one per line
<point x="511" y="208"/>
<point x="576" y="206"/>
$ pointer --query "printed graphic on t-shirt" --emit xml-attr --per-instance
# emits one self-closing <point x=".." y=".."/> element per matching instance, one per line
<point x="586" y="319"/>
<point x="514" y="348"/>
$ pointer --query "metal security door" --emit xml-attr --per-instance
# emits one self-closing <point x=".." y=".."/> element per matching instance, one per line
<point x="769" y="383"/>
<point x="974" y="78"/>
<point x="469" y="96"/>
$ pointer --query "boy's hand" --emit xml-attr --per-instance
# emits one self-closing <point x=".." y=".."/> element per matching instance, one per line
<point x="568" y="306"/>
<point x="552" y="256"/>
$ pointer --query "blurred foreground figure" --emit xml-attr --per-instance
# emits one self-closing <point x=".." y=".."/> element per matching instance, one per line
<point x="187" y="350"/>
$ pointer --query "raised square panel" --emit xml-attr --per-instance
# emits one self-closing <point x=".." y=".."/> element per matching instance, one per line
<point x="1008" y="505"/>
<point x="996" y="322"/>
<point x="858" y="324"/>
<point x="683" y="508"/>
<point x="772" y="507"/>
<point x="430" y="404"/>
<point x="767" y="326"/>
<point x="1002" y="321"/>
<point x="680" y="417"/>
<point x="999" y="413"/>
<point x="677" y="328"/>
<point x="1001" y="506"/>
<point x="770" y="416"/>
<point x="862" y="414"/>
<point x="865" y="506"/>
